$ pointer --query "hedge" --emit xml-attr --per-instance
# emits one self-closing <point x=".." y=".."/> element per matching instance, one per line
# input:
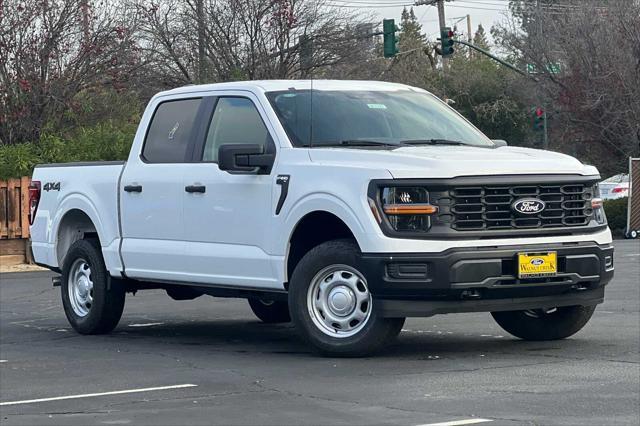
<point x="106" y="141"/>
<point x="616" y="211"/>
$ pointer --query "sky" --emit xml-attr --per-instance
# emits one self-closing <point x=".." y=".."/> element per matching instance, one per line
<point x="485" y="12"/>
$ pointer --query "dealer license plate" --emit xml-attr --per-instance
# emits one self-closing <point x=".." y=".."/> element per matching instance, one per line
<point x="536" y="265"/>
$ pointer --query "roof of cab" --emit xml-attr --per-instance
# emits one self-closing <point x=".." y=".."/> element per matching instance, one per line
<point x="277" y="85"/>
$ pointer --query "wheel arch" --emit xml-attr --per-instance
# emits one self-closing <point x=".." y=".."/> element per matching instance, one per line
<point x="311" y="230"/>
<point x="74" y="225"/>
<point x="76" y="219"/>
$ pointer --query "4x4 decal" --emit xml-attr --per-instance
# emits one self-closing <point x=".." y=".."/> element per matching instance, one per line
<point x="51" y="186"/>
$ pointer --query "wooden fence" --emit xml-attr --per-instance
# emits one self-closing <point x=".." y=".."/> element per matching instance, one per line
<point x="14" y="208"/>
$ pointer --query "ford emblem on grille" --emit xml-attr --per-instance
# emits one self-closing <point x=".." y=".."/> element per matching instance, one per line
<point x="528" y="206"/>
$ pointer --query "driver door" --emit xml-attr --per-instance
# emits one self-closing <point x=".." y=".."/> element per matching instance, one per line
<point x="227" y="215"/>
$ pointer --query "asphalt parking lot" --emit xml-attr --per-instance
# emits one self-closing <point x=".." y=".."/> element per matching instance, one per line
<point x="210" y="361"/>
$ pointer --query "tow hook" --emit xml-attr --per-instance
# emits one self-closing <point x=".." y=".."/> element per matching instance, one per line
<point x="471" y="294"/>
<point x="56" y="281"/>
<point x="580" y="287"/>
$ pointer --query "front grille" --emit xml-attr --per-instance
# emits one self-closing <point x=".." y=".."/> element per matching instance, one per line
<point x="488" y="207"/>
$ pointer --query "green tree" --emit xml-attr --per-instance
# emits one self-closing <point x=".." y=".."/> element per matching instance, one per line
<point x="489" y="95"/>
<point x="415" y="64"/>
<point x="480" y="38"/>
<point x="411" y="36"/>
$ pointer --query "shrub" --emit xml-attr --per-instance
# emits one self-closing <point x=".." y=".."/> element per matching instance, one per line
<point x="17" y="160"/>
<point x="105" y="141"/>
<point x="616" y="211"/>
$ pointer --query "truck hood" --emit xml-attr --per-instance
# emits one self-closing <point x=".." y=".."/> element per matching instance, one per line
<point x="450" y="161"/>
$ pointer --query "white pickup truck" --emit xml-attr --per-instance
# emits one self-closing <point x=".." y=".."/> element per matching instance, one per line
<point x="343" y="206"/>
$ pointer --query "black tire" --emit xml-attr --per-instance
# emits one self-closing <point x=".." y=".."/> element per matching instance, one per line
<point x="538" y="325"/>
<point x="108" y="293"/>
<point x="396" y="328"/>
<point x="372" y="336"/>
<point x="270" y="311"/>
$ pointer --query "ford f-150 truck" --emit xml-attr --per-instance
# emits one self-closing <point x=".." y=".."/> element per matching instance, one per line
<point x="343" y="206"/>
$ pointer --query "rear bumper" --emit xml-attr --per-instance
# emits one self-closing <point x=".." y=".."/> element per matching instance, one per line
<point x="485" y="279"/>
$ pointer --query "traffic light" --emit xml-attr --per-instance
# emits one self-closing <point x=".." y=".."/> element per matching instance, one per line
<point x="390" y="45"/>
<point x="538" y="119"/>
<point x="446" y="41"/>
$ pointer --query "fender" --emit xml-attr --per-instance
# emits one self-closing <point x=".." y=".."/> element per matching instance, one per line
<point x="78" y="201"/>
<point x="321" y="201"/>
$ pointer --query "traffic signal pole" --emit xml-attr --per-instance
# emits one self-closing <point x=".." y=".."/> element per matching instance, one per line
<point x="495" y="58"/>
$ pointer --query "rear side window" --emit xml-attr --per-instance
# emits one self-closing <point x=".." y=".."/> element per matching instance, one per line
<point x="170" y="131"/>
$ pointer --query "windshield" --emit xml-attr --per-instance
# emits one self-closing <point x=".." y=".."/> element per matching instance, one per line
<point x="384" y="117"/>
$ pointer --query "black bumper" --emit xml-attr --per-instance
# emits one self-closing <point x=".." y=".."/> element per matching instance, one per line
<point x="485" y="279"/>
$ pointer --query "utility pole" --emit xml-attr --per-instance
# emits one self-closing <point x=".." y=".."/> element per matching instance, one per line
<point x="84" y="10"/>
<point x="469" y="35"/>
<point x="441" y="19"/>
<point x="201" y="40"/>
<point x="443" y="23"/>
<point x="545" y="136"/>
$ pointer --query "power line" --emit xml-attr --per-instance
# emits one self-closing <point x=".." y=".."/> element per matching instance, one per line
<point x="364" y="6"/>
<point x="369" y="3"/>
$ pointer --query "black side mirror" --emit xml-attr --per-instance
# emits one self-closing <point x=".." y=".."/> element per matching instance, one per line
<point x="245" y="159"/>
<point x="499" y="142"/>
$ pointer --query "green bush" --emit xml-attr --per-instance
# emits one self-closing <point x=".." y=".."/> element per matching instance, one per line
<point x="616" y="211"/>
<point x="105" y="141"/>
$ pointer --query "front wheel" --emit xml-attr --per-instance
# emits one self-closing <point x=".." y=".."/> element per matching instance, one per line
<point x="92" y="300"/>
<point x="545" y="324"/>
<point x="332" y="306"/>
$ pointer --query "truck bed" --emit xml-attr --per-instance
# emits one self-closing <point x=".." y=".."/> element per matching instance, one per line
<point x="72" y="193"/>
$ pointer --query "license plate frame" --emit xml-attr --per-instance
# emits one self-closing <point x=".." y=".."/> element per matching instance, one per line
<point x="540" y="264"/>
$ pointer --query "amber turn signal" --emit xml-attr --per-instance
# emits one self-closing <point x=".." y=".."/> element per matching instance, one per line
<point x="411" y="209"/>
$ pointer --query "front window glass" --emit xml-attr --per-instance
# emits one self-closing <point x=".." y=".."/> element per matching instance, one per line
<point x="393" y="117"/>
<point x="235" y="121"/>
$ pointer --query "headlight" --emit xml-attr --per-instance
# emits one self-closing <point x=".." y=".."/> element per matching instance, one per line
<point x="407" y="208"/>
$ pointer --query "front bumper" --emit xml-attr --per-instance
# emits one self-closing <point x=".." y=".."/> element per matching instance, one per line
<point x="485" y="279"/>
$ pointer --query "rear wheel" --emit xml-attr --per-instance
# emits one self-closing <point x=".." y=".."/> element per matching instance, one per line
<point x="93" y="301"/>
<point x="331" y="303"/>
<point x="270" y="311"/>
<point x="545" y="324"/>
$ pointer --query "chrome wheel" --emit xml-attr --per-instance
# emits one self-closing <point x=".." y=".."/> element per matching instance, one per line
<point x="80" y="287"/>
<point x="339" y="301"/>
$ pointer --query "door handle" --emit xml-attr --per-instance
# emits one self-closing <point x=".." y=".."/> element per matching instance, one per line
<point x="133" y="188"/>
<point x="195" y="188"/>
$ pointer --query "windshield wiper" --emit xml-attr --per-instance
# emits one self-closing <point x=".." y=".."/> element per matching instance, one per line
<point x="432" y="142"/>
<point x="357" y="142"/>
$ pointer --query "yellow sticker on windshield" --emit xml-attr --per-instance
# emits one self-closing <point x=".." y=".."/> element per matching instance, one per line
<point x="377" y="106"/>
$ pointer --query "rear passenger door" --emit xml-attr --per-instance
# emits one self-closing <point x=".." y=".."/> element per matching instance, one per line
<point x="152" y="193"/>
<point x="227" y="223"/>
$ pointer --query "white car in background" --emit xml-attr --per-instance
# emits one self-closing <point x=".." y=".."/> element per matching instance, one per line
<point x="615" y="187"/>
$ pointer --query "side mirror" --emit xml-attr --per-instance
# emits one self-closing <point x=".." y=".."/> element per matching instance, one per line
<point x="499" y="142"/>
<point x="245" y="159"/>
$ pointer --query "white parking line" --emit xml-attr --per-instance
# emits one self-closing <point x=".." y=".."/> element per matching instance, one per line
<point x="3" y="360"/>
<point x="90" y="395"/>
<point x="459" y="422"/>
